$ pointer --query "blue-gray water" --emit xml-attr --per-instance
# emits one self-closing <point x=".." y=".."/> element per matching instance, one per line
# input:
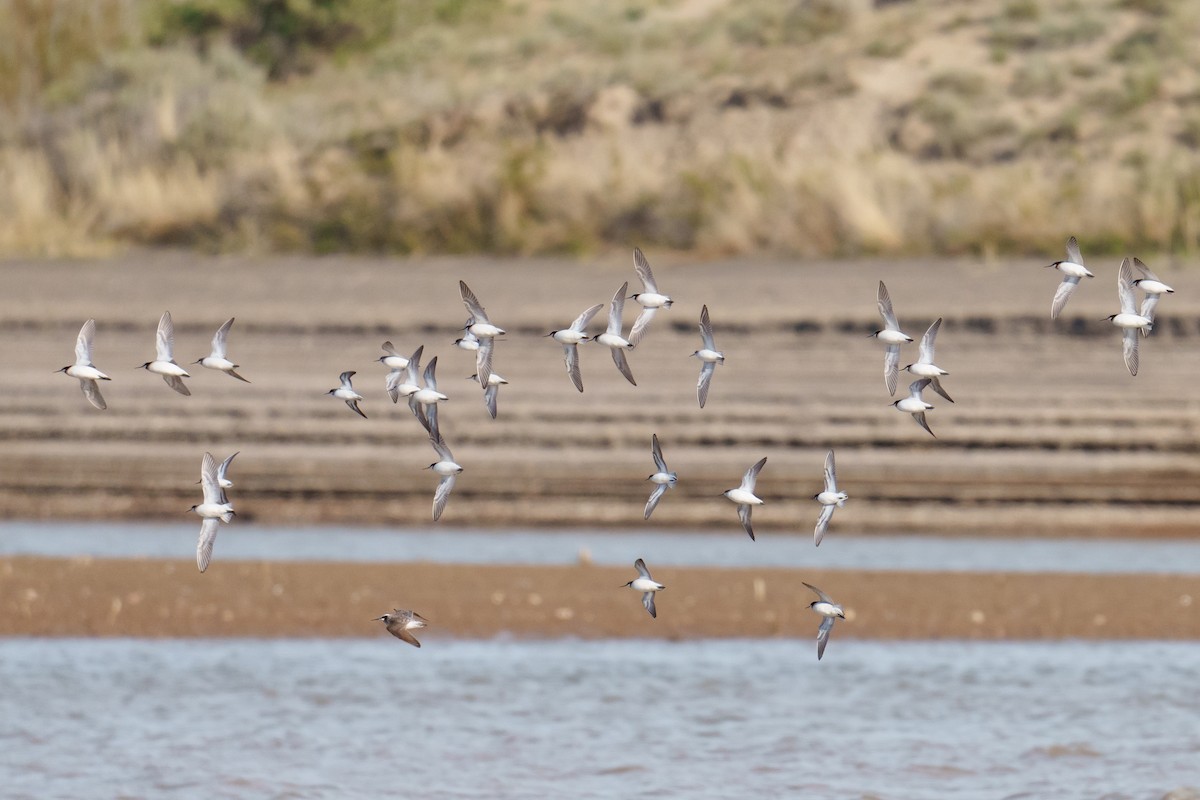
<point x="508" y="719"/>
<point x="449" y="545"/>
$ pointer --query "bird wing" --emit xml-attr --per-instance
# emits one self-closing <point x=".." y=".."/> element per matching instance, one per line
<point x="571" y="353"/>
<point x="431" y="374"/>
<point x="916" y="387"/>
<point x="388" y="348"/>
<point x="204" y="545"/>
<point x="490" y="395"/>
<point x="752" y="474"/>
<point x="472" y="303"/>
<point x="640" y="566"/>
<point x="919" y="416"/>
<point x="1125" y="288"/>
<point x="354" y="407"/>
<point x="936" y="384"/>
<point x="706" y="373"/>
<point x="220" y="338"/>
<point x="440" y="447"/>
<point x="655" y="496"/>
<point x="616" y="309"/>
<point x="91" y="390"/>
<point x="413" y="369"/>
<point x="210" y="481"/>
<point x="648" y="602"/>
<point x="884" y="301"/>
<point x="165" y="340"/>
<point x="830" y="473"/>
<point x="927" y="343"/>
<point x="345" y="377"/>
<point x="891" y="366"/>
<point x="583" y="319"/>
<point x="822" y="524"/>
<point x="1148" y="305"/>
<point x="642" y="267"/>
<point x="744" y="516"/>
<point x="403" y="634"/>
<point x="483" y="361"/>
<point x="1146" y="273"/>
<point x="1062" y="295"/>
<point x="656" y="453"/>
<point x="640" y="325"/>
<point x="1130" y="337"/>
<point x="224" y="468"/>
<point x="823" y="635"/>
<point x="393" y="384"/>
<point x="176" y="383"/>
<point x="622" y="363"/>
<point x="706" y="331"/>
<point x="442" y="495"/>
<point x="83" y="344"/>
<point x="1073" y="254"/>
<point x="820" y="595"/>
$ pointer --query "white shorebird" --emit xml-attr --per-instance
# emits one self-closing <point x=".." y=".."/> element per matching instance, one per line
<point x="650" y="299"/>
<point x="612" y="338"/>
<point x="829" y="499"/>
<point x="84" y="369"/>
<point x="164" y="358"/>
<point x="1129" y="320"/>
<point x="406" y="381"/>
<point x="483" y="329"/>
<point x="395" y="364"/>
<point x="492" y="393"/>
<point x="468" y="341"/>
<point x="346" y="392"/>
<point x="218" y="358"/>
<point x="1152" y="286"/>
<point x="708" y="355"/>
<point x="744" y="496"/>
<point x="828" y="609"/>
<point x="448" y="469"/>
<point x="662" y="476"/>
<point x="915" y="405"/>
<point x="400" y="622"/>
<point x="891" y="336"/>
<point x="223" y="473"/>
<point x="423" y="402"/>
<point x="1073" y="271"/>
<point x="216" y="506"/>
<point x="925" y="368"/>
<point x="646" y="585"/>
<point x="570" y="338"/>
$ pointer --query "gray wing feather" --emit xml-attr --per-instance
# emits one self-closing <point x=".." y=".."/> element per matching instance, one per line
<point x="891" y="366"/>
<point x="706" y="331"/>
<point x="176" y="383"/>
<point x="1062" y="295"/>
<point x="1073" y="254"/>
<point x="404" y="635"/>
<point x="616" y="309"/>
<point x="91" y="390"/>
<point x="640" y="566"/>
<point x="1148" y="305"/>
<point x="920" y="418"/>
<point x="744" y="516"/>
<point x="751" y="475"/>
<point x="936" y="384"/>
<point x="830" y="473"/>
<point x="442" y="495"/>
<point x="393" y="384"/>
<point x="820" y="595"/>
<point x="210" y="479"/>
<point x="83" y="343"/>
<point x="204" y="546"/>
<point x="354" y="407"/>
<point x="640" y="325"/>
<point x="642" y="267"/>
<point x="472" y="303"/>
<point x="655" y="496"/>
<point x="413" y="369"/>
<point x="822" y="524"/>
<point x="884" y="302"/>
<point x="927" y="342"/>
<point x="219" y="340"/>
<point x="483" y="361"/>
<point x="706" y="373"/>
<point x="224" y="468"/>
<point x="823" y="636"/>
<point x="583" y="319"/>
<point x="656" y="453"/>
<point x="165" y="339"/>
<point x="1130" y="337"/>
<point x="489" y="399"/>
<point x="1125" y="288"/>
<point x="571" y="354"/>
<point x="622" y="364"/>
<point x="648" y="602"/>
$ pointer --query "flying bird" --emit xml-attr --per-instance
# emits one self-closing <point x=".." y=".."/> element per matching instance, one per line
<point x="216" y="506"/>
<point x="744" y="496"/>
<point x="423" y="402"/>
<point x="164" y="359"/>
<point x="925" y="368"/>
<point x="84" y="369"/>
<point x="829" y="499"/>
<point x="218" y="359"/>
<point x="1129" y="320"/>
<point x="1152" y="286"/>
<point x="346" y="392"/>
<point x="1073" y="271"/>
<point x="448" y="469"/>
<point x="400" y="623"/>
<point x="892" y="337"/>
<point x="828" y="609"/>
<point x="662" y="476"/>
<point x="570" y="338"/>
<point x="914" y="404"/>
<point x="709" y="357"/>
<point x="646" y="585"/>
<point x="492" y="393"/>
<point x="483" y="329"/>
<point x="612" y="338"/>
<point x="405" y="382"/>
<point x="650" y="299"/>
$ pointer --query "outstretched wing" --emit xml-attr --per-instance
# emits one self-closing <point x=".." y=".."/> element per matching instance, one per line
<point x="1073" y="254"/>
<point x="165" y="340"/>
<point x="571" y="354"/>
<point x="640" y="566"/>
<point x="204" y="546"/>
<point x="176" y="383"/>
<point x="1062" y="295"/>
<point x="83" y="344"/>
<point x="219" y="346"/>
<point x="830" y="473"/>
<point x="1130" y="337"/>
<point x="822" y="524"/>
<point x="706" y="330"/>
<point x="656" y="453"/>
<point x="823" y="636"/>
<point x="744" y="516"/>
<point x="91" y="390"/>
<point x="583" y="319"/>
<point x="640" y="325"/>
<point x="706" y="372"/>
<point x="619" y="359"/>
<point x="616" y="309"/>
<point x="820" y="595"/>
<point x="483" y="361"/>
<point x="751" y="475"/>
<point x="648" y="602"/>
<point x="884" y="301"/>
<point x="642" y="267"/>
<point x="442" y="495"/>
<point x="472" y="303"/>
<point x="655" y="496"/>
<point x="891" y="366"/>
<point x="927" y="343"/>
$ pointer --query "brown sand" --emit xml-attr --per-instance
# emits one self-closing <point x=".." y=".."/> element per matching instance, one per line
<point x="1050" y="434"/>
<point x="83" y="597"/>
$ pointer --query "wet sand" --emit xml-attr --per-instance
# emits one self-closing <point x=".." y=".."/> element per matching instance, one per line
<point x="154" y="598"/>
<point x="1049" y="435"/>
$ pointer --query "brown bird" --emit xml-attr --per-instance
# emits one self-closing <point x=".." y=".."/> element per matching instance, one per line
<point x="400" y="622"/>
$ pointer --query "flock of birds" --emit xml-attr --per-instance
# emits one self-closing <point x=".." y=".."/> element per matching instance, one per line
<point x="406" y="380"/>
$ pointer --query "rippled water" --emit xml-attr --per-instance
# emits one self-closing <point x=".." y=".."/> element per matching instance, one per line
<point x="449" y="545"/>
<point x="509" y="719"/>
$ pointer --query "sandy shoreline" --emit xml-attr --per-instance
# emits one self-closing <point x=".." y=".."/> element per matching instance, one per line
<point x="159" y="598"/>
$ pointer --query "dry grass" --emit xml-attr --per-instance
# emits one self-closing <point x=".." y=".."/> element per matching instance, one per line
<point x="526" y="126"/>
